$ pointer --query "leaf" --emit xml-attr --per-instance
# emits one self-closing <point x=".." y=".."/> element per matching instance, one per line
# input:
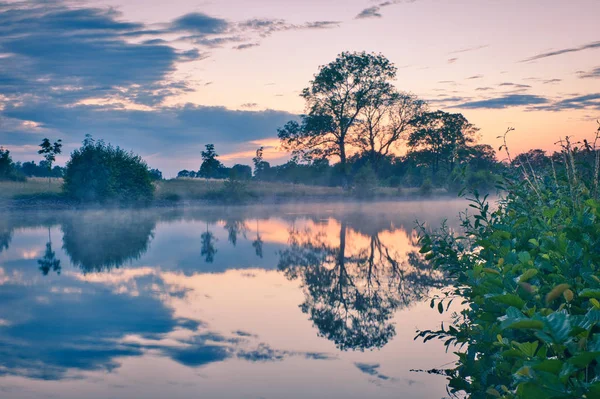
<point x="524" y="257"/>
<point x="595" y="302"/>
<point x="568" y="294"/>
<point x="527" y="275"/>
<point x="582" y="359"/>
<point x="590" y="293"/>
<point x="559" y="325"/>
<point x="526" y="323"/>
<point x="440" y="307"/>
<point x="491" y="271"/>
<point x="556" y="292"/>
<point x="510" y="300"/>
<point x="550" y="366"/>
<point x="528" y="348"/>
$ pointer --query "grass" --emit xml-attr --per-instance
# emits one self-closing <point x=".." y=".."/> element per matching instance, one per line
<point x="32" y="188"/>
<point x="37" y="189"/>
<point x="202" y="189"/>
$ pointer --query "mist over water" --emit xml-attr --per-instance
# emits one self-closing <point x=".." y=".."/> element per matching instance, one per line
<point x="278" y="301"/>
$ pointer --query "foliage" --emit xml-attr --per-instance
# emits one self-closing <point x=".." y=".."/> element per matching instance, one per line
<point x="527" y="273"/>
<point x="240" y="172"/>
<point x="49" y="151"/>
<point x="336" y="96"/>
<point x="155" y="174"/>
<point x="8" y="171"/>
<point x="211" y="167"/>
<point x="441" y="137"/>
<point x="99" y="172"/>
<point x="365" y="182"/>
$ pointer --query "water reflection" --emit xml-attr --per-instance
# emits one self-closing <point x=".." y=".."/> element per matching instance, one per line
<point x="134" y="284"/>
<point x="352" y="292"/>
<point x="100" y="241"/>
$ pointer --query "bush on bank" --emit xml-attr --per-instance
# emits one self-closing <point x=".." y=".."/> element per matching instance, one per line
<point x="99" y="172"/>
<point x="528" y="276"/>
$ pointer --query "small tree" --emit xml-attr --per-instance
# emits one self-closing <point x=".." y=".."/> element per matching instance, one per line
<point x="6" y="164"/>
<point x="440" y="137"/>
<point x="49" y="152"/>
<point x="211" y="167"/>
<point x="260" y="165"/>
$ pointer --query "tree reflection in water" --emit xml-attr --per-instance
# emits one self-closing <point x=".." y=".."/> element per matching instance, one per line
<point x="208" y="245"/>
<point x="352" y="295"/>
<point x="100" y="241"/>
<point x="49" y="262"/>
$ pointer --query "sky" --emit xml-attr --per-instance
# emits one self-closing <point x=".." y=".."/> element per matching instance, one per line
<point x="164" y="78"/>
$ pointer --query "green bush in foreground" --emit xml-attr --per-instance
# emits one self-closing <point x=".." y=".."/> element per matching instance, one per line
<point x="99" y="172"/>
<point x="528" y="274"/>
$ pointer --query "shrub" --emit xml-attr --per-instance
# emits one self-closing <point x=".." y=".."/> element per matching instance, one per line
<point x="528" y="276"/>
<point x="7" y="167"/>
<point x="426" y="188"/>
<point x="365" y="182"/>
<point x="99" y="172"/>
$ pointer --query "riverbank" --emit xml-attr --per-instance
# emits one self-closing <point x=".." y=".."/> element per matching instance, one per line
<point x="40" y="193"/>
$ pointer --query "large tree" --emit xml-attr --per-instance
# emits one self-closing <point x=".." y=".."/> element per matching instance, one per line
<point x="334" y="100"/>
<point x="439" y="138"/>
<point x="384" y="123"/>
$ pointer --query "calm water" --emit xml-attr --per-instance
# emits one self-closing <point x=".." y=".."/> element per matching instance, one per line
<point x="315" y="301"/>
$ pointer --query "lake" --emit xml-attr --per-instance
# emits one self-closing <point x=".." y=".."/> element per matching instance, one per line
<point x="278" y="301"/>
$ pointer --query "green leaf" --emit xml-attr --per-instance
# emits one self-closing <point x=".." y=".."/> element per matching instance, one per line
<point x="582" y="359"/>
<point x="526" y="323"/>
<point x="510" y="300"/>
<point x="528" y="348"/>
<point x="524" y="257"/>
<point x="590" y="293"/>
<point x="550" y="366"/>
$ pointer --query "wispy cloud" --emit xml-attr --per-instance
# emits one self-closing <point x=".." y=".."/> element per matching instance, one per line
<point x="506" y="101"/>
<point x="375" y="11"/>
<point x="452" y="60"/>
<point x="593" y="74"/>
<point x="588" y="101"/>
<point x="588" y="46"/>
<point x="475" y="77"/>
<point x="466" y="50"/>
<point x="515" y="85"/>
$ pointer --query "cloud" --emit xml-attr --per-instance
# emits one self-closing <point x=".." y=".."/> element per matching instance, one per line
<point x="65" y="55"/>
<point x="484" y="88"/>
<point x="372" y="370"/>
<point x="375" y="11"/>
<point x="452" y="60"/>
<point x="475" y="77"/>
<point x="165" y="130"/>
<point x="200" y="23"/>
<point x="245" y="46"/>
<point x="593" y="74"/>
<point x="589" y="101"/>
<point x="588" y="46"/>
<point x="371" y="12"/>
<point x="249" y="105"/>
<point x="465" y="50"/>
<point x="516" y="85"/>
<point x="511" y="100"/>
